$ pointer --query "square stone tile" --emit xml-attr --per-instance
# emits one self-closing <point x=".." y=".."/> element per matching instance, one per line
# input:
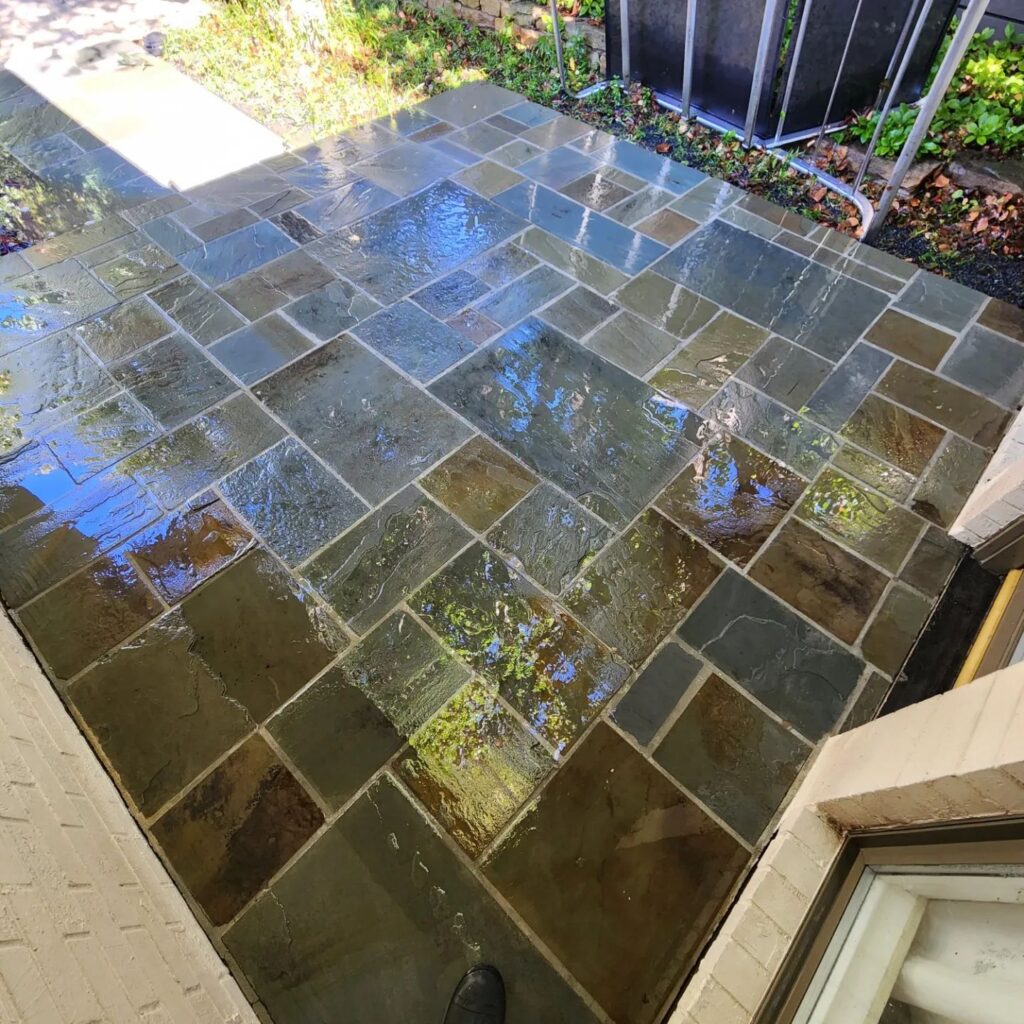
<point x="949" y="481"/>
<point x="501" y="265"/>
<point x="364" y="420"/>
<point x="524" y="296"/>
<point x="847" y="386"/>
<point x="419" y="344"/>
<point x="698" y="370"/>
<point x="628" y="943"/>
<point x="940" y="300"/>
<point x="479" y="483"/>
<point x="30" y="479"/>
<point x="137" y="271"/>
<point x="785" y="372"/>
<point x="64" y="536"/>
<point x="357" y="715"/>
<point x="196" y="309"/>
<point x="530" y="114"/>
<point x="732" y="497"/>
<point x="544" y="664"/>
<point x="670" y="306"/>
<point x="897" y="625"/>
<point x="731" y="755"/>
<point x="296" y="274"/>
<point x="804" y="676"/>
<point x="551" y="536"/>
<point x="252" y="296"/>
<point x="405" y="246"/>
<point x="990" y="363"/>
<point x="173" y="379"/>
<point x="870" y="524"/>
<point x="167" y="704"/>
<point x="667" y="226"/>
<point x="589" y="271"/>
<point x="351" y="202"/>
<point x="292" y="501"/>
<point x="516" y="152"/>
<point x="122" y="330"/>
<point x="170" y="235"/>
<point x="910" y="339"/>
<point x="640" y="205"/>
<point x="655" y="692"/>
<point x="329" y="310"/>
<point x="367" y="571"/>
<point x="451" y="293"/>
<point x="261" y="348"/>
<point x="369" y="865"/>
<point x="654" y="169"/>
<point x="824" y="581"/>
<point x="592" y="232"/>
<point x="488" y="178"/>
<point x="894" y="434"/>
<point x="473" y="765"/>
<point x="642" y="585"/>
<point x="578" y="312"/>
<point x="602" y="435"/>
<point x="596" y="190"/>
<point x="407" y="122"/>
<point x="179" y="465"/>
<point x="239" y="826"/>
<point x="237" y="253"/>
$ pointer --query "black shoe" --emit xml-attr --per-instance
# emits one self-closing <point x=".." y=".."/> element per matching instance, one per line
<point x="479" y="998"/>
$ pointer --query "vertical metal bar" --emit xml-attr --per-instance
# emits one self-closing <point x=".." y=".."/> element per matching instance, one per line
<point x="798" y="45"/>
<point x="556" y="28"/>
<point x="839" y="75"/>
<point x="771" y="10"/>
<point x="911" y="11"/>
<point x="691" y="31"/>
<point x="908" y="56"/>
<point x="969" y="22"/>
<point x="624" y="38"/>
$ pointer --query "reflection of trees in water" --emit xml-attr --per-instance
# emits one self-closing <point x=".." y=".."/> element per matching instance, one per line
<point x="10" y="435"/>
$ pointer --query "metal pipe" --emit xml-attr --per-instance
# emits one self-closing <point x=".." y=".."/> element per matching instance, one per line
<point x="791" y="77"/>
<point x="771" y="9"/>
<point x="556" y="30"/>
<point x="624" y="38"/>
<point x="896" y="52"/>
<point x="691" y="31"/>
<point x="969" y="22"/>
<point x="908" y="56"/>
<point x="839" y="75"/>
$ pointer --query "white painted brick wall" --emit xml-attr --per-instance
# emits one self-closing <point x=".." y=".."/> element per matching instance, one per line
<point x="91" y="926"/>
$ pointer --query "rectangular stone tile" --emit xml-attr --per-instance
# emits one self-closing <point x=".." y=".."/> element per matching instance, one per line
<point x="655" y="693"/>
<point x="351" y="202"/>
<point x="138" y="271"/>
<point x="479" y="482"/>
<point x="364" y="420"/>
<point x="183" y="463"/>
<point x="910" y="339"/>
<point x="603" y="436"/>
<point x="894" y="434"/>
<point x="870" y="524"/>
<point x="296" y="227"/>
<point x="551" y="536"/>
<point x="670" y="306"/>
<point x="803" y="675"/>
<point x="321" y="176"/>
<point x="789" y="438"/>
<point x="173" y="379"/>
<point x="407" y="122"/>
<point x="71" y="243"/>
<point x="707" y="199"/>
<point x="46" y="383"/>
<point x="667" y="226"/>
<point x="640" y="205"/>
<point x="990" y="363"/>
<point x="741" y="217"/>
<point x="187" y="547"/>
<point x="329" y="310"/>
<point x="591" y="813"/>
<point x="370" y="569"/>
<point x="225" y="223"/>
<point x="196" y="309"/>
<point x="171" y="701"/>
<point x="578" y="312"/>
<point x="356" y="716"/>
<point x="488" y="178"/>
<point x="1003" y="317"/>
<point x="237" y="253"/>
<point x="731" y="497"/>
<point x="949" y="481"/>
<point x="787" y="293"/>
<point x="543" y="663"/>
<point x="473" y="102"/>
<point x="412" y="338"/>
<point x="261" y="348"/>
<point x="406" y="167"/>
<point x="353" y="144"/>
<point x="296" y="274"/>
<point x="473" y="765"/>
<point x="555" y="132"/>
<point x="451" y="293"/>
<point x="897" y="625"/>
<point x="940" y="300"/>
<point x="499" y="266"/>
<point x="369" y="866"/>
<point x="292" y="501"/>
<point x="530" y="114"/>
<point x="556" y="167"/>
<point x="847" y="386"/>
<point x="875" y="689"/>
<point x="47" y="300"/>
<point x="524" y="296"/>
<point x="252" y="296"/>
<point x="58" y="539"/>
<point x="697" y="371"/>
<point x="229" y="835"/>
<point x="240" y="188"/>
<point x="96" y="439"/>
<point x="592" y="272"/>
<point x="170" y="235"/>
<point x="592" y="232"/>
<point x="122" y="330"/>
<point x="596" y="190"/>
<point x="88" y="614"/>
<point x="824" y="581"/>
<point x="729" y="753"/>
<point x="403" y="247"/>
<point x="658" y="170"/>
<point x="932" y="562"/>
<point x="892" y="482"/>
<point x="30" y="479"/>
<point x="785" y="372"/>
<point x="473" y="326"/>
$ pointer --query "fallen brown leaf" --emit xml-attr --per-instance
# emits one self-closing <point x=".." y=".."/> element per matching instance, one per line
<point x="941" y="181"/>
<point x="819" y="193"/>
<point x="980" y="224"/>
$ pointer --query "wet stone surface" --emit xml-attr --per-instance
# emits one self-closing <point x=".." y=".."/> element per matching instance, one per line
<point x="655" y="692"/>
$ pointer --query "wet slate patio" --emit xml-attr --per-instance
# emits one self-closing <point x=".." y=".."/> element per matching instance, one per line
<point x="455" y="536"/>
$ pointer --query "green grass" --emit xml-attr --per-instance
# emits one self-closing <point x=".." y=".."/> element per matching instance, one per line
<point x="366" y="61"/>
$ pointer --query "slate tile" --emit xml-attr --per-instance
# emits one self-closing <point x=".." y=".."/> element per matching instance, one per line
<point x="558" y="166"/>
<point x="481" y="137"/>
<point x="473" y="326"/>
<point x="138" y="271"/>
<point x="897" y="625"/>
<point x="296" y="274"/>
<point x="450" y="294"/>
<point x="591" y="272"/>
<point x="488" y="178"/>
<point x="785" y="372"/>
<point x="847" y="386"/>
<point x="261" y="348"/>
<point x="640" y="205"/>
<point x="670" y="306"/>
<point x="932" y="562"/>
<point x="196" y="310"/>
<point x="1003" y="317"/>
<point x="237" y="253"/>
<point x="949" y="481"/>
<point x="296" y="227"/>
<point x="30" y="479"/>
<point x="523" y="296"/>
<point x="122" y="330"/>
<point x="657" y="170"/>
<point x="868" y="701"/>
<point x="910" y="339"/>
<point x="578" y="312"/>
<point x="990" y="363"/>
<point x="940" y="300"/>
<point x="655" y="692"/>
<point x="596" y="190"/>
<point x="707" y="199"/>
<point x="252" y="296"/>
<point x="329" y="310"/>
<point x="667" y="226"/>
<point x="894" y="434"/>
<point x="501" y="265"/>
<point x="47" y="251"/>
<point x="471" y="103"/>
<point x="225" y="223"/>
<point x="351" y="202"/>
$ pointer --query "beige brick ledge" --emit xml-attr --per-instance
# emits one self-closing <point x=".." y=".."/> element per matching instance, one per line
<point x="957" y="756"/>
<point x="91" y="926"/>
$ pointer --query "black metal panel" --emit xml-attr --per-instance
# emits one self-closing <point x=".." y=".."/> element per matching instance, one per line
<point x="727" y="34"/>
